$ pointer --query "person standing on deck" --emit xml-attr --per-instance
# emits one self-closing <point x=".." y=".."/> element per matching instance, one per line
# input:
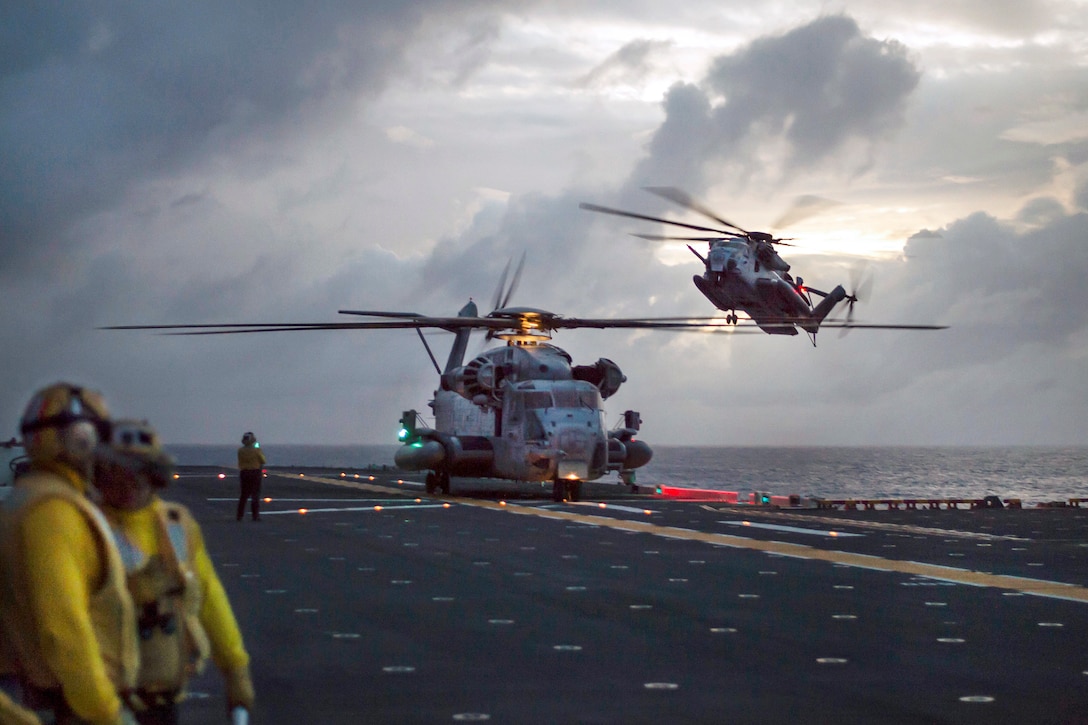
<point x="69" y="625"/>
<point x="250" y="472"/>
<point x="183" y="613"/>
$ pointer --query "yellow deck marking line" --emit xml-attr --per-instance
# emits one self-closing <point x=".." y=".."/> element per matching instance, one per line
<point x="1040" y="587"/>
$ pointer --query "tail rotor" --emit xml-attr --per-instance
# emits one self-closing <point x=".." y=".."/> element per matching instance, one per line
<point x="861" y="287"/>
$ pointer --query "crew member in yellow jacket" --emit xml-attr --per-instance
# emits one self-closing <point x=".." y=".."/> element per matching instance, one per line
<point x="68" y="626"/>
<point x="183" y="613"/>
<point x="250" y="473"/>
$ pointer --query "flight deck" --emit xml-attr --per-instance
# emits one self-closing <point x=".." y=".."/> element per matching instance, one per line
<point x="362" y="599"/>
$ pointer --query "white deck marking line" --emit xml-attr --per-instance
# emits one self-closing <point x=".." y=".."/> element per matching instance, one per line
<point x="880" y="525"/>
<point x="790" y="529"/>
<point x="276" y="499"/>
<point x="376" y="509"/>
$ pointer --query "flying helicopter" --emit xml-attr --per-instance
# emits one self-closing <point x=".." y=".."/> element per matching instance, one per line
<point x="520" y="411"/>
<point x="745" y="272"/>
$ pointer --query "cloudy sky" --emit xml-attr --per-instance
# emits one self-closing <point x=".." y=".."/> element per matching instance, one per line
<point x="278" y="161"/>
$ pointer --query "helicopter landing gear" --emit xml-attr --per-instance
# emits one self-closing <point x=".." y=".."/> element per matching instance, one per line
<point x="574" y="489"/>
<point x="564" y="490"/>
<point x="438" y="481"/>
<point x="731" y="318"/>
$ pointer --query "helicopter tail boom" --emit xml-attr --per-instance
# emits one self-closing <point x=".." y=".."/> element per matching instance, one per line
<point x="823" y="309"/>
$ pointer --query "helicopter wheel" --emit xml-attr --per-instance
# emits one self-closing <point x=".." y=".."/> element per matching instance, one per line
<point x="574" y="489"/>
<point x="444" y="482"/>
<point x="559" y="490"/>
<point x="431" y="482"/>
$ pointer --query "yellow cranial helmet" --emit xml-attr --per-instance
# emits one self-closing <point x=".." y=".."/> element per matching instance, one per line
<point x="135" y="446"/>
<point x="64" y="422"/>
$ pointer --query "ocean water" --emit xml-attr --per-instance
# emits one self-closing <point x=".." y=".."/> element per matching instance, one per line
<point x="1032" y="474"/>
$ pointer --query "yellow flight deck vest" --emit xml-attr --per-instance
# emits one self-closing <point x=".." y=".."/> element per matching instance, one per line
<point x="111" y="613"/>
<point x="168" y="596"/>
<point x="250" y="458"/>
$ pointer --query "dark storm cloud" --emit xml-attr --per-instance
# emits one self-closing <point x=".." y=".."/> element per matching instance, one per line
<point x="682" y="144"/>
<point x="817" y="86"/>
<point x="97" y="96"/>
<point x="987" y="275"/>
<point x="97" y="100"/>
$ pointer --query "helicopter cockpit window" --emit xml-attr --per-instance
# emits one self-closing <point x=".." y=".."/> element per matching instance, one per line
<point x="730" y="244"/>
<point x="534" y="427"/>
<point x="578" y="398"/>
<point x="537" y="399"/>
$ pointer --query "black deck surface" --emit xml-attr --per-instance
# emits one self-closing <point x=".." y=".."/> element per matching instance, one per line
<point x="536" y="612"/>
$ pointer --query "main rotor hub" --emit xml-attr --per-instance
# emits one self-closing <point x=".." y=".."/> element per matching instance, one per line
<point x="525" y="336"/>
<point x="528" y="325"/>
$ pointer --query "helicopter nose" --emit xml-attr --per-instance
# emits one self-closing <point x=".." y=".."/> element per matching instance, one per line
<point x="576" y="447"/>
<point x="572" y="469"/>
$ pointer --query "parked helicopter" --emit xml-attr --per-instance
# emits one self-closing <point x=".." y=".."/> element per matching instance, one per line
<point x="521" y="411"/>
<point x="745" y="272"/>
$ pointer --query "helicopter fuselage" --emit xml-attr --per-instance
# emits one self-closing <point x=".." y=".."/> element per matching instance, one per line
<point x="748" y="275"/>
<point x="523" y="412"/>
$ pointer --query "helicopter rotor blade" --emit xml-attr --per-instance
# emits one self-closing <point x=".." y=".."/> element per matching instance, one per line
<point x="382" y="313"/>
<point x="681" y="197"/>
<point x="867" y="326"/>
<point x="670" y="238"/>
<point x="699" y="325"/>
<point x="514" y="282"/>
<point x="403" y="322"/>
<point x="241" y="328"/>
<point x="701" y="257"/>
<point x="516" y="322"/>
<point x="499" y="288"/>
<point x="504" y="293"/>
<point x="865" y="287"/>
<point x="803" y="207"/>
<point x="644" y="217"/>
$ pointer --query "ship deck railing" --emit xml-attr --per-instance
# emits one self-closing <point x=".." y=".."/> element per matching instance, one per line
<point x="871" y="504"/>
